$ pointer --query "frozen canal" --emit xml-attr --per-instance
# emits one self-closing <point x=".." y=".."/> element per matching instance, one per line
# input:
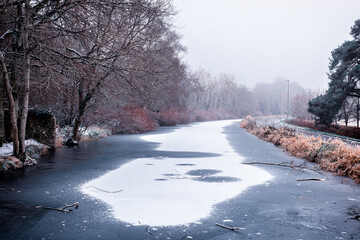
<point x="176" y="183"/>
<point x="165" y="191"/>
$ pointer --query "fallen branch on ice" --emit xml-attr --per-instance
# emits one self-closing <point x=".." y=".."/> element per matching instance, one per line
<point x="311" y="179"/>
<point x="288" y="165"/>
<point x="105" y="190"/>
<point x="66" y="208"/>
<point x="8" y="189"/>
<point x="230" y="228"/>
<point x="187" y="236"/>
<point x="147" y="229"/>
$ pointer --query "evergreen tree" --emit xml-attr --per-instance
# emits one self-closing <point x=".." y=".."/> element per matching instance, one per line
<point x="344" y="78"/>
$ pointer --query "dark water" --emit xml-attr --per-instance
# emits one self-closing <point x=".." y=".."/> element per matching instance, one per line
<point x="53" y="182"/>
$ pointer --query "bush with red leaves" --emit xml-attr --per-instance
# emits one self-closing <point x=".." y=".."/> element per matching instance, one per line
<point x="172" y="117"/>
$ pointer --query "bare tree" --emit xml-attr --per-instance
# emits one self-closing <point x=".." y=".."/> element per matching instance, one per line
<point x="21" y="21"/>
<point x="299" y="105"/>
<point x="104" y="44"/>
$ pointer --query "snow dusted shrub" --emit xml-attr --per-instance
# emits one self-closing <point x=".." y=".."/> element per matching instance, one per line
<point x="341" y="158"/>
<point x="94" y="132"/>
<point x="248" y="122"/>
<point x="65" y="132"/>
<point x="271" y="134"/>
<point x="302" y="146"/>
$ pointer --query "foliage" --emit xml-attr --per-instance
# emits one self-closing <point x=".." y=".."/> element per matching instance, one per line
<point x="344" y="78"/>
<point x="249" y="123"/>
<point x="325" y="107"/>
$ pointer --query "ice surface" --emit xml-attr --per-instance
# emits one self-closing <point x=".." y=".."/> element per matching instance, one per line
<point x="175" y="191"/>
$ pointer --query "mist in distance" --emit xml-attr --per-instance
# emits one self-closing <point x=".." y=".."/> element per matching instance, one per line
<point x="259" y="41"/>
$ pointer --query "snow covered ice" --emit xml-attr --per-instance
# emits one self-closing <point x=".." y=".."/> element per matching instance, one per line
<point x="175" y="191"/>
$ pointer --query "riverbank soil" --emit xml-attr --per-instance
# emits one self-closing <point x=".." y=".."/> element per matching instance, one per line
<point x="282" y="208"/>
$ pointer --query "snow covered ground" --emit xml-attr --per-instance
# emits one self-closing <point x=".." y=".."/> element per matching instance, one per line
<point x="7" y="148"/>
<point x="351" y="123"/>
<point x="174" y="191"/>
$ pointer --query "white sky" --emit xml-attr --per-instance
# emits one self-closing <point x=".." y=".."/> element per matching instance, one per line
<point x="260" y="40"/>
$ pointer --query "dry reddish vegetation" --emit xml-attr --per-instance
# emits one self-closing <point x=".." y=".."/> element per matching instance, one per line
<point x="132" y="119"/>
<point x="171" y="117"/>
<point x="331" y="155"/>
<point x="352" y="132"/>
<point x="127" y="120"/>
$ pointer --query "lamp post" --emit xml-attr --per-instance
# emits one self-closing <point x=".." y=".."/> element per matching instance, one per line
<point x="280" y="103"/>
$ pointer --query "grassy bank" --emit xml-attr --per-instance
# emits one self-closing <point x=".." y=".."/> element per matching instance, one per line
<point x="346" y="131"/>
<point x="331" y="155"/>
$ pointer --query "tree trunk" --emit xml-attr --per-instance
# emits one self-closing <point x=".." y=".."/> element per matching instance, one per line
<point x="2" y="129"/>
<point x="81" y="110"/>
<point x="83" y="101"/>
<point x="79" y="114"/>
<point x="26" y="78"/>
<point x="13" y="119"/>
<point x="357" y="112"/>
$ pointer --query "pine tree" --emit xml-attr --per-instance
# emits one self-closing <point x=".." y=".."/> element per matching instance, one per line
<point x="344" y="78"/>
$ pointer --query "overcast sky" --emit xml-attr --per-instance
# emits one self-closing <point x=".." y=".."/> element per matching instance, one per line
<point x="260" y="40"/>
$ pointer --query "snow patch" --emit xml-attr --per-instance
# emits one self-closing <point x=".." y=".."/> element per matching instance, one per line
<point x="7" y="148"/>
<point x="166" y="191"/>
